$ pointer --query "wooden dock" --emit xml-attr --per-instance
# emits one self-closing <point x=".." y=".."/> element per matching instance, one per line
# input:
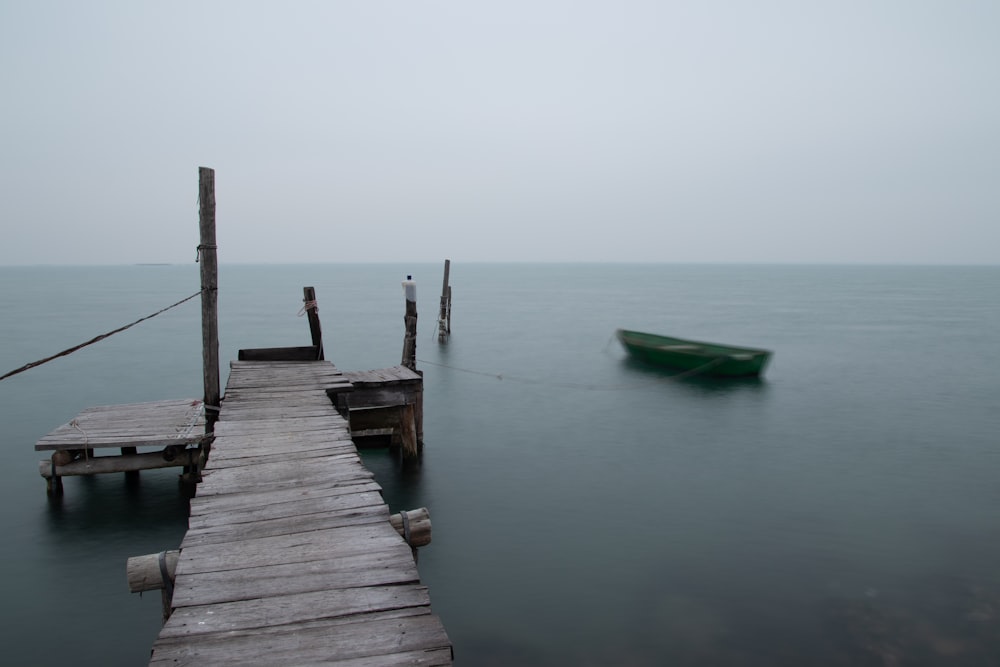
<point x="290" y="557"/>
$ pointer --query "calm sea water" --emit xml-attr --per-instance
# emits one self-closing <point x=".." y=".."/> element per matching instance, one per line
<point x="845" y="510"/>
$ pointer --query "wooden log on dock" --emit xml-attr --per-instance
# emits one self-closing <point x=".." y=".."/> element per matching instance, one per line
<point x="151" y="572"/>
<point x="414" y="526"/>
<point x="154" y="572"/>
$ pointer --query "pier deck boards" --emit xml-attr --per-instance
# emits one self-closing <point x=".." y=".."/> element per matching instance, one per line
<point x="290" y="557"/>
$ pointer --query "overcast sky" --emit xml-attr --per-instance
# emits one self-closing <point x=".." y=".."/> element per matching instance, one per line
<point x="653" y="131"/>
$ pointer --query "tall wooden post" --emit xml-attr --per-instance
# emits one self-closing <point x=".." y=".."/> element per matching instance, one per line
<point x="410" y="319"/>
<point x="444" y="315"/>
<point x="312" y="312"/>
<point x="208" y="257"/>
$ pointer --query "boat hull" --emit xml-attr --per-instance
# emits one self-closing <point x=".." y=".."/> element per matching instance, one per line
<point x="695" y="356"/>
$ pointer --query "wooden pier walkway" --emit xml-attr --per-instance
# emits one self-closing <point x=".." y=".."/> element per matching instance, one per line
<point x="290" y="557"/>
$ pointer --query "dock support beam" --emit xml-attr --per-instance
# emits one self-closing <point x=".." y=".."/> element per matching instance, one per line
<point x="53" y="470"/>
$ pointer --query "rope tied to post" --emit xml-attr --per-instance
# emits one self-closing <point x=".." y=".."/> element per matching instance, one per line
<point x="168" y="582"/>
<point x="86" y="439"/>
<point x="204" y="246"/>
<point x="307" y="306"/>
<point x="406" y="526"/>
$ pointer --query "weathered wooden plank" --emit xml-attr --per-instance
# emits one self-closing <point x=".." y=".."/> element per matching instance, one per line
<point x="379" y="568"/>
<point x="252" y="409"/>
<point x="206" y="501"/>
<point x="294" y="608"/>
<point x="318" y="545"/>
<point x="318" y="642"/>
<point x="270" y="443"/>
<point x="319" y="364"/>
<point x="278" y="435"/>
<point x="271" y="436"/>
<point x="289" y="525"/>
<point x="300" y="367"/>
<point x="382" y="376"/>
<point x="234" y="397"/>
<point x="256" y="455"/>
<point x="345" y="455"/>
<point x="266" y="476"/>
<point x="319" y="423"/>
<point x="210" y="514"/>
<point x="270" y="379"/>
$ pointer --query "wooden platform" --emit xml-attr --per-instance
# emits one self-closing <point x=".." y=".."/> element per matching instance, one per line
<point x="290" y="557"/>
<point x="168" y="426"/>
<point x="161" y="423"/>
<point x="386" y="402"/>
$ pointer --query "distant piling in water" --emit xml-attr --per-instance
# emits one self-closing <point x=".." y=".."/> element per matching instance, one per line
<point x="410" y="320"/>
<point x="444" y="314"/>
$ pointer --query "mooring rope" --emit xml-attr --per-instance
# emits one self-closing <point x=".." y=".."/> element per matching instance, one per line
<point x="86" y="439"/>
<point x="579" y="385"/>
<point x="95" y="339"/>
<point x="307" y="306"/>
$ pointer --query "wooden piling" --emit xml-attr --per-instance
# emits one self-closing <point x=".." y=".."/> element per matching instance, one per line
<point x="312" y="312"/>
<point x="410" y="319"/>
<point x="444" y="315"/>
<point x="208" y="257"/>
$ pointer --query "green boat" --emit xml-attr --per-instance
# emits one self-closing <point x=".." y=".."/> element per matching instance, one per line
<point x="694" y="356"/>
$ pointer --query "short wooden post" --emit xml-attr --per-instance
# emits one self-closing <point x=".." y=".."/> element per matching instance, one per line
<point x="131" y="475"/>
<point x="444" y="315"/>
<point x="312" y="312"/>
<point x="410" y="319"/>
<point x="208" y="257"/>
<point x="53" y="482"/>
<point x="408" y="431"/>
